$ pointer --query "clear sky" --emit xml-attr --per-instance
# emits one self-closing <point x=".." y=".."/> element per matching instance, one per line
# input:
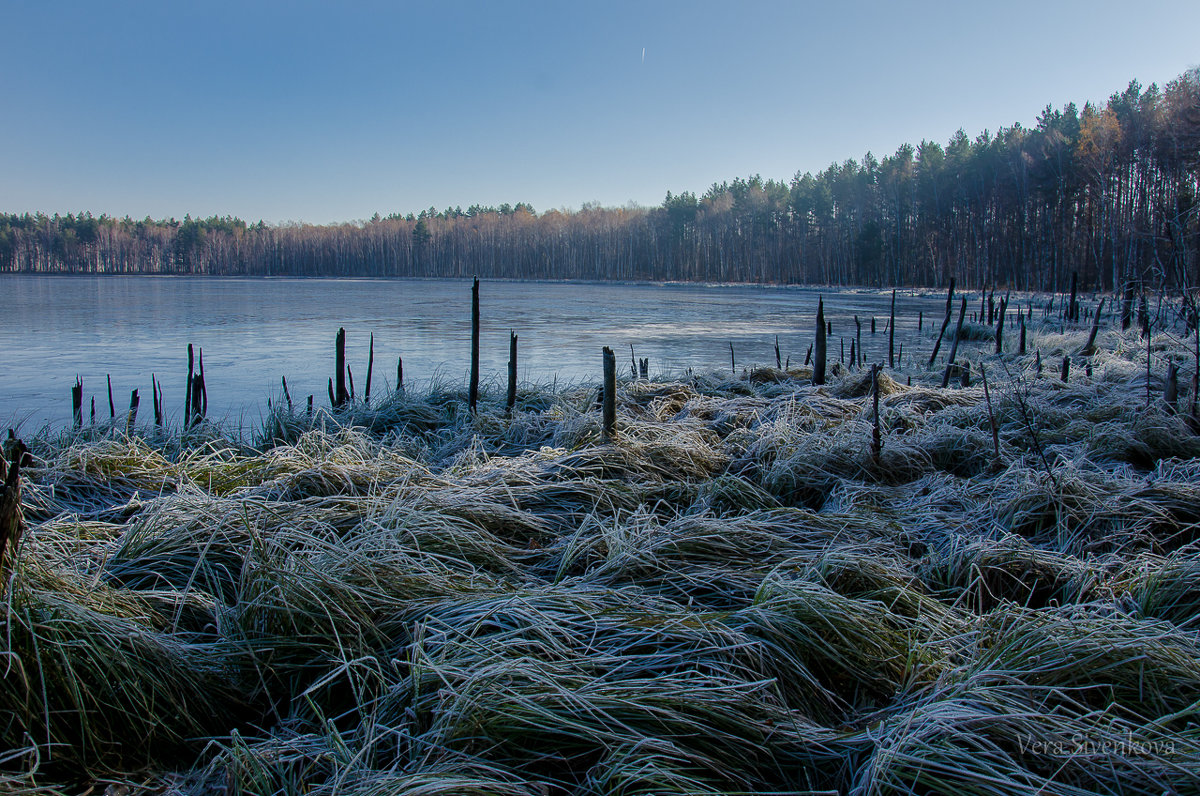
<point x="332" y="111"/>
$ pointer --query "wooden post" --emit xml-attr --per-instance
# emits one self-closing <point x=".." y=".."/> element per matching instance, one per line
<point x="876" y="437"/>
<point x="156" y="394"/>
<point x="1171" y="392"/>
<point x="350" y="379"/>
<point x="1073" y="307"/>
<point x="112" y="408"/>
<point x="962" y="312"/>
<point x="1090" y="347"/>
<point x="1021" y="340"/>
<point x="778" y="361"/>
<point x="633" y="362"/>
<point x="370" y="370"/>
<point x="287" y="395"/>
<point x="892" y="333"/>
<point x="808" y="355"/>
<point x="732" y="363"/>
<point x="511" y="400"/>
<point x="1000" y="325"/>
<point x="399" y="374"/>
<point x="937" y="344"/>
<point x="473" y="392"/>
<point x="1066" y="368"/>
<point x="340" y="394"/>
<point x="12" y="520"/>
<point x="820" y="355"/>
<point x="858" y="338"/>
<point x="134" y="401"/>
<point x="187" y="395"/>
<point x="609" y="428"/>
<point x="644" y="367"/>
<point x="93" y="420"/>
<point x="203" y="386"/>
<point x="77" y="402"/>
<point x="853" y="354"/>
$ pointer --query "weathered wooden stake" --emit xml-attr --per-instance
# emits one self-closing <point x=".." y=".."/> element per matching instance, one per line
<point x="511" y="399"/>
<point x="1000" y="325"/>
<point x="609" y="428"/>
<point x="134" y="401"/>
<point x="892" y="333"/>
<point x="808" y="355"/>
<point x="876" y="437"/>
<point x="340" y="394"/>
<point x="287" y="395"/>
<point x="818" y="376"/>
<point x="350" y="378"/>
<point x="187" y="394"/>
<point x="778" y="362"/>
<point x="12" y="520"/>
<point x="858" y="337"/>
<point x="1089" y="347"/>
<point x="1171" y="391"/>
<point x="937" y="344"/>
<point x="962" y="313"/>
<point x="732" y="364"/>
<point x="370" y="370"/>
<point x="399" y="374"/>
<point x="112" y="408"/>
<point x="1021" y="341"/>
<point x="77" y="402"/>
<point x="473" y="392"/>
<point x="1066" y="368"/>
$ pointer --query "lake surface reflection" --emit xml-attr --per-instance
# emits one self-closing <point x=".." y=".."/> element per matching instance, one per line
<point x="253" y="331"/>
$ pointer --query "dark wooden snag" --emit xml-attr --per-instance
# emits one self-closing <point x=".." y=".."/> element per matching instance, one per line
<point x="112" y="407"/>
<point x="131" y="420"/>
<point x="370" y="371"/>
<point x="1171" y="390"/>
<point x="962" y="312"/>
<point x="778" y="361"/>
<point x="1073" y="307"/>
<point x="1089" y="347"/>
<point x="858" y="338"/>
<point x="937" y="344"/>
<point x="1066" y="368"/>
<point x="286" y="394"/>
<point x="77" y="402"/>
<point x="511" y="399"/>
<point x="12" y="520"/>
<point x="819" y="362"/>
<point x="1021" y="339"/>
<point x="340" y="394"/>
<point x="892" y="333"/>
<point x="609" y="400"/>
<point x="187" y="394"/>
<point x="399" y="374"/>
<point x="1000" y="325"/>
<point x="473" y="392"/>
<point x="732" y="363"/>
<point x="876" y="436"/>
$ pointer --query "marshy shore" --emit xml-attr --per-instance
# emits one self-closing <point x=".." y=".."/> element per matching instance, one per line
<point x="737" y="593"/>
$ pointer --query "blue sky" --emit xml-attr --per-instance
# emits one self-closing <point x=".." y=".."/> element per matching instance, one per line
<point x="332" y="111"/>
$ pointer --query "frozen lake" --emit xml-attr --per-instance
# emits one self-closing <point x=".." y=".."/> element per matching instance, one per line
<point x="253" y="331"/>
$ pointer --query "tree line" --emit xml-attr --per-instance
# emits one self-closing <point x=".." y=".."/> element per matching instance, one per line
<point x="1111" y="192"/>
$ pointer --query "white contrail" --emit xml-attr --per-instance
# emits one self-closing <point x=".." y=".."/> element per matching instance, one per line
<point x="643" y="55"/>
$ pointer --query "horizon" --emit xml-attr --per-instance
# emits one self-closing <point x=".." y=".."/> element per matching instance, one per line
<point x="306" y="113"/>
